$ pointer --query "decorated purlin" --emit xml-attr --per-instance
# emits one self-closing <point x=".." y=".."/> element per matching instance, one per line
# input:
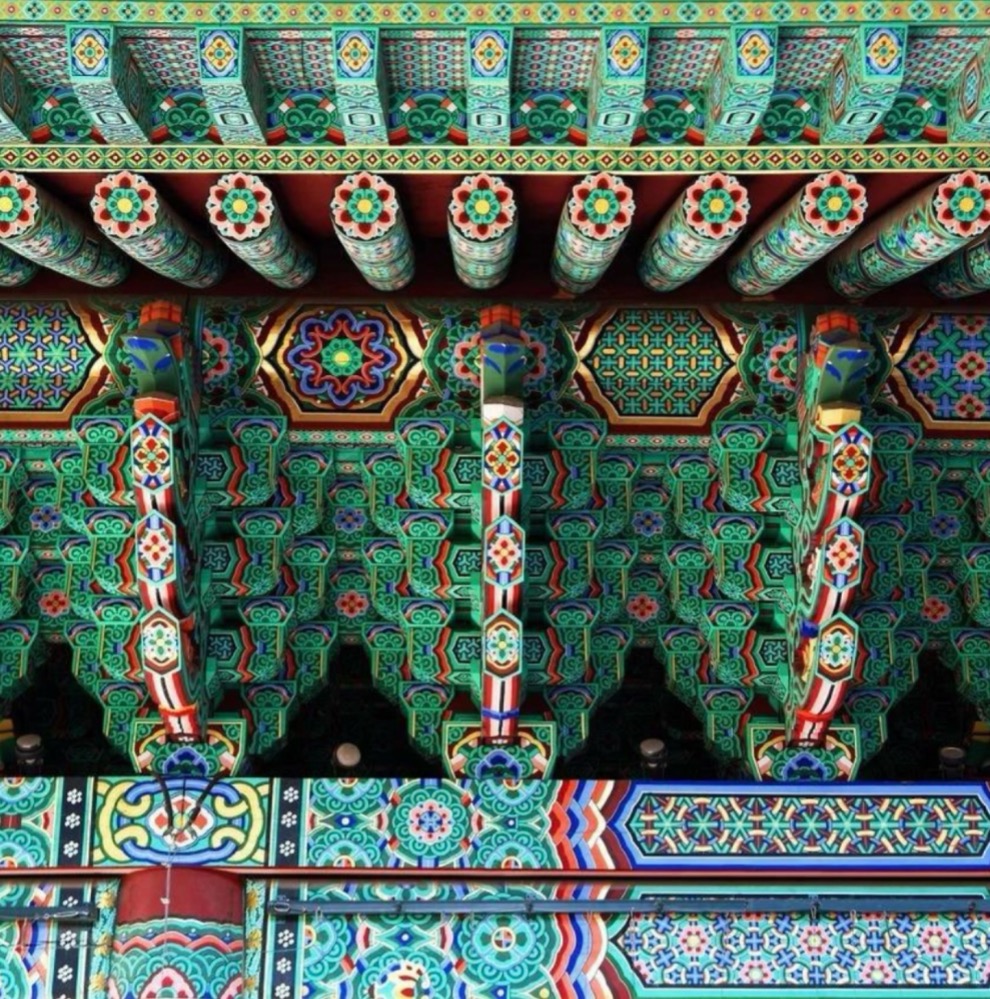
<point x="246" y="217"/>
<point x="133" y="216"/>
<point x="482" y="226"/>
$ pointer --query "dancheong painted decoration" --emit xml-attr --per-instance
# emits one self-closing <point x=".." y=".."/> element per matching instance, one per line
<point x="494" y="499"/>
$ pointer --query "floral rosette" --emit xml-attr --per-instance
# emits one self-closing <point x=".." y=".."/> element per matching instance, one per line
<point x="601" y="207"/>
<point x="834" y="203"/>
<point x="18" y="204"/>
<point x="124" y="205"/>
<point x="716" y="206"/>
<point x="962" y="204"/>
<point x="482" y="207"/>
<point x="364" y="206"/>
<point x="240" y="206"/>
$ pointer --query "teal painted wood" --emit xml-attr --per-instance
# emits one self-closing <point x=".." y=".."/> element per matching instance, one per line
<point x="966" y="272"/>
<point x="246" y="217"/>
<point x="36" y="226"/>
<point x="15" y="270"/>
<point x="917" y="233"/>
<point x="697" y="229"/>
<point x="969" y="103"/>
<point x="130" y="212"/>
<point x="15" y="103"/>
<point x="232" y="84"/>
<point x="489" y="85"/>
<point x="618" y="86"/>
<point x="863" y="83"/>
<point x="359" y="81"/>
<point x="482" y="225"/>
<point x="368" y="220"/>
<point x="593" y="226"/>
<point x="741" y="84"/>
<point x="824" y="213"/>
<point x="98" y="62"/>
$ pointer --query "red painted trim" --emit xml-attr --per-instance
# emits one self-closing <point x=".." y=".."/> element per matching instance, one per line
<point x="203" y="893"/>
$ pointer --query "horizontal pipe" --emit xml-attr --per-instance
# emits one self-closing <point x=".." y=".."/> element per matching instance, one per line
<point x="68" y="913"/>
<point x="672" y="905"/>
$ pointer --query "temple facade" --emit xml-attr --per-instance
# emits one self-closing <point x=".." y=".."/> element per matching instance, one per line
<point x="494" y="499"/>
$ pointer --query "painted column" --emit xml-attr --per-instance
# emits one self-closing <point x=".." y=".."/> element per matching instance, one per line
<point x="489" y="86"/>
<point x="247" y="219"/>
<point x="36" y="226"/>
<point x="179" y="931"/>
<point x="503" y="364"/>
<point x="368" y="221"/>
<point x="618" y="86"/>
<point x="698" y="228"/>
<point x="965" y="272"/>
<point x="917" y="233"/>
<point x="127" y="208"/>
<point x="482" y="225"/>
<point x="823" y="214"/>
<point x="593" y="226"/>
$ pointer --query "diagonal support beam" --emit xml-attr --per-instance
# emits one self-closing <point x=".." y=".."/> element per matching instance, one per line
<point x="489" y="86"/>
<point x="618" y="86"/>
<point x="862" y="84"/>
<point x="359" y="80"/>
<point x="98" y="64"/>
<point x="741" y="85"/>
<point x="232" y="85"/>
<point x="969" y="104"/>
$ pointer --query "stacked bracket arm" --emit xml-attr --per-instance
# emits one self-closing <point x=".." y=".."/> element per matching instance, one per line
<point x="593" y="226"/>
<point x="245" y="215"/>
<point x="503" y="364"/>
<point x="133" y="215"/>
<point x="835" y="461"/>
<point x="698" y="228"/>
<point x="482" y="225"/>
<point x="923" y="230"/>
<point x="369" y="223"/>
<point x="965" y="272"/>
<point x="823" y="214"/>
<point x="40" y="229"/>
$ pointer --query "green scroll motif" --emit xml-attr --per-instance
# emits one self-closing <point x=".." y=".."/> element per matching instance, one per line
<point x="965" y="272"/>
<point x="826" y="211"/>
<point x="920" y="232"/>
<point x="482" y="225"/>
<point x="246" y="217"/>
<point x="36" y="226"/>
<point x="593" y="226"/>
<point x="128" y="209"/>
<point x="368" y="221"/>
<point x="699" y="227"/>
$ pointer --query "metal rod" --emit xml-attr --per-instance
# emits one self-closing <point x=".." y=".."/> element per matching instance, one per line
<point x="68" y="913"/>
<point x="671" y="905"/>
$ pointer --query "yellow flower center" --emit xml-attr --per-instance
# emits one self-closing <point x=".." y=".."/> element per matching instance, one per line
<point x="967" y="204"/>
<point x="716" y="205"/>
<point x="341" y="357"/>
<point x="364" y="206"/>
<point x="601" y="206"/>
<point x="482" y="207"/>
<point x="834" y="203"/>
<point x="240" y="206"/>
<point x="125" y="205"/>
<point x="6" y="203"/>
